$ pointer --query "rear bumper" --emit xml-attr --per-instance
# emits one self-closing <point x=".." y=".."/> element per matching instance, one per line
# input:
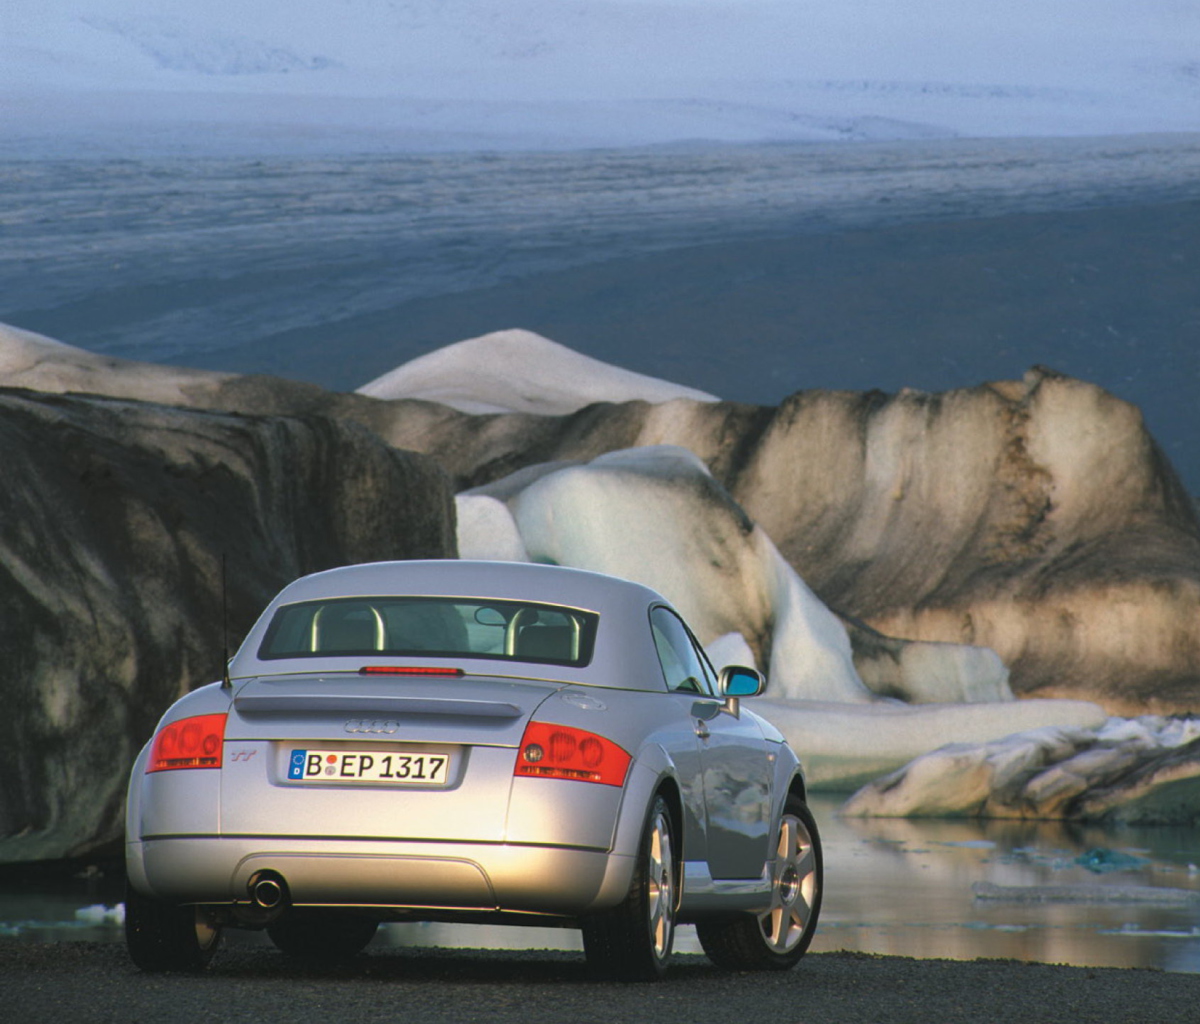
<point x="474" y="877"/>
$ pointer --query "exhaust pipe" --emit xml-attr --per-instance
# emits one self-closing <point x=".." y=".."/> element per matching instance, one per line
<point x="267" y="899"/>
<point x="266" y="893"/>
<point x="268" y="890"/>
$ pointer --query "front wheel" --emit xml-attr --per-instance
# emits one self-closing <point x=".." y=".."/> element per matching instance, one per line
<point x="777" y="938"/>
<point x="632" y="942"/>
<point x="164" y="937"/>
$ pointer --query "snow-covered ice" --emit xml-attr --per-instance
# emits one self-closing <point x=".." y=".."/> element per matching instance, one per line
<point x="469" y="73"/>
<point x="30" y="360"/>
<point x="100" y="913"/>
<point x="519" y="371"/>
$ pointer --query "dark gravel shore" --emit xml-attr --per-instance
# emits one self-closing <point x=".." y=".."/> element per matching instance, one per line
<point x="83" y="983"/>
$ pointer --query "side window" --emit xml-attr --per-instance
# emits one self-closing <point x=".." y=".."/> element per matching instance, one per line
<point x="684" y="667"/>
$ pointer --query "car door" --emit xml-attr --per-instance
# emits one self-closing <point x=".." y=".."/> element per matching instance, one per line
<point x="735" y="759"/>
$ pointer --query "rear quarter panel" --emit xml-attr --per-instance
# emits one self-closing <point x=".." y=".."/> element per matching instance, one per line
<point x="656" y="731"/>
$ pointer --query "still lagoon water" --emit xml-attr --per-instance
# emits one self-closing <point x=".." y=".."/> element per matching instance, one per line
<point x="954" y="889"/>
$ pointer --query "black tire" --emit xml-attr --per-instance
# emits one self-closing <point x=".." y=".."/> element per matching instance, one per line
<point x="633" y="940"/>
<point x="776" y="939"/>
<point x="324" y="935"/>
<point x="165" y="937"/>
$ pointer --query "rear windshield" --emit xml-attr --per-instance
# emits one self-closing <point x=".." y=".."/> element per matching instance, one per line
<point x="448" y="627"/>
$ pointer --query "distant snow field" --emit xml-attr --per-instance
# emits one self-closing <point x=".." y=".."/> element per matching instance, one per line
<point x="105" y="75"/>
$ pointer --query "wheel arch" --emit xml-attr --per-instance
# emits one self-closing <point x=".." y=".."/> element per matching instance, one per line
<point x="668" y="789"/>
<point x="798" y="788"/>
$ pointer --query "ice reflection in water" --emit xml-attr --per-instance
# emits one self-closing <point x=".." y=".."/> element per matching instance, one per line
<point x="906" y="887"/>
<point x="894" y="886"/>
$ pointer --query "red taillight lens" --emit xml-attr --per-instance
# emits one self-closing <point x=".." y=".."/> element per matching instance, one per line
<point x="560" y="752"/>
<point x="189" y="743"/>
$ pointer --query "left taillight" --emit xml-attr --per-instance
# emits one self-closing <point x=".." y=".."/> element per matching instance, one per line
<point x="561" y="752"/>
<point x="194" y="742"/>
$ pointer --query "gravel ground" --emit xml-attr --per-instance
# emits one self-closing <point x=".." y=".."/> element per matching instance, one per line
<point x="83" y="983"/>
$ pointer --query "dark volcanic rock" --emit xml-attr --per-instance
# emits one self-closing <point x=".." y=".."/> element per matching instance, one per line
<point x="116" y="517"/>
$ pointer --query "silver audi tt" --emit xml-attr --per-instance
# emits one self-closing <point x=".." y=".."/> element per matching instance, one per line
<point x="473" y="742"/>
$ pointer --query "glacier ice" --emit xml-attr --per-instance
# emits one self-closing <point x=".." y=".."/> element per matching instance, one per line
<point x="476" y="73"/>
<point x="519" y="371"/>
<point x="844" y="746"/>
<point x="1139" y="771"/>
<point x="655" y="514"/>
<point x="1079" y="566"/>
<point x="696" y="508"/>
<point x="31" y="360"/>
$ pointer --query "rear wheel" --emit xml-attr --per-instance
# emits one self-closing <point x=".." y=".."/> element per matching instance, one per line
<point x="322" y="934"/>
<point x="779" y="937"/>
<point x="632" y="942"/>
<point x="165" y="937"/>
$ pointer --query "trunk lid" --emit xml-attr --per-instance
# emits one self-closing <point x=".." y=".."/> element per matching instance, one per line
<point x="304" y="756"/>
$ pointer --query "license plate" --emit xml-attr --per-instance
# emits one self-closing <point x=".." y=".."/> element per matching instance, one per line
<point x="358" y="766"/>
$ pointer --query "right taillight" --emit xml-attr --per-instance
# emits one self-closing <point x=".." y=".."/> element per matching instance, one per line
<point x="194" y="742"/>
<point x="561" y="752"/>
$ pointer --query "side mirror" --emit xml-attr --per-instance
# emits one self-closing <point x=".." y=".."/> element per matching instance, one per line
<point x="737" y="681"/>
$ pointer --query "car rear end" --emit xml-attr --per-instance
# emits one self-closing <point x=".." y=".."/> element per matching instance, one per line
<point x="403" y="792"/>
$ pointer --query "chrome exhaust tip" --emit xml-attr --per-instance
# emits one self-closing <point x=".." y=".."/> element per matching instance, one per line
<point x="268" y="891"/>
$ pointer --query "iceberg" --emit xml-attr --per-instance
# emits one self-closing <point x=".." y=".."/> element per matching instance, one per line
<point x="1036" y="519"/>
<point x="1154" y="895"/>
<point x="519" y="371"/>
<point x="31" y="360"/>
<point x="789" y="538"/>
<point x="1136" y="771"/>
<point x="656" y="515"/>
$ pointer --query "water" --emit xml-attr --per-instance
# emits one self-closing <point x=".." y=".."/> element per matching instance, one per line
<point x="747" y="271"/>
<point x="902" y="887"/>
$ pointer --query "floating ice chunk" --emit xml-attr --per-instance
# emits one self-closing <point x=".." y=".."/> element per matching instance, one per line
<point x="98" y="914"/>
<point x="1086" y="894"/>
<point x="1101" y="861"/>
<point x="1133" y="931"/>
<point x="1152" y="730"/>
<point x="519" y="371"/>
<point x="1132" y="771"/>
<point x="845" y="745"/>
